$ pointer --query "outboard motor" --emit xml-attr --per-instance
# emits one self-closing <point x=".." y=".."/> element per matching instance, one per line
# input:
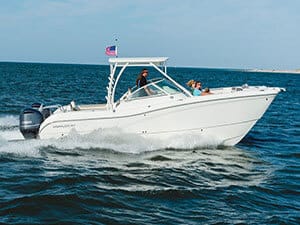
<point x="31" y="119"/>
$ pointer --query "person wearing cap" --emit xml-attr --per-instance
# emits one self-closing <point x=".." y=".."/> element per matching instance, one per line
<point x="142" y="81"/>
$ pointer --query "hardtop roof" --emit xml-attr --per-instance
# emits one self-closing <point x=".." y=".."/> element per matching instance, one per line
<point x="138" y="61"/>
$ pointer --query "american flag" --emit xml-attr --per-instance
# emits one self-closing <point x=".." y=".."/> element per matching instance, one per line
<point x="111" y="50"/>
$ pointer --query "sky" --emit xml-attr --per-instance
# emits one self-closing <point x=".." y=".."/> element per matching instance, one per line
<point x="239" y="34"/>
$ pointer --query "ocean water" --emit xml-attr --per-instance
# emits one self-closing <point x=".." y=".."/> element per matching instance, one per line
<point x="110" y="177"/>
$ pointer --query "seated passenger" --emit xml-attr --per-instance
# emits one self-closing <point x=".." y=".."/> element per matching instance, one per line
<point x="206" y="92"/>
<point x="191" y="85"/>
<point x="197" y="90"/>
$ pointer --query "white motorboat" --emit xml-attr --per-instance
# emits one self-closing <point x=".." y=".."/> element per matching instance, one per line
<point x="227" y="114"/>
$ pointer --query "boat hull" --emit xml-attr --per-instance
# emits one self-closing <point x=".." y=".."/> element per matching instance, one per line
<point x="226" y="119"/>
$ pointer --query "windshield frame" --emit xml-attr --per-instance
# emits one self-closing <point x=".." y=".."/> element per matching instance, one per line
<point x="158" y="63"/>
<point x="153" y="82"/>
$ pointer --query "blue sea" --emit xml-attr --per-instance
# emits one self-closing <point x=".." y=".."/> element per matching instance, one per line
<point x="117" y="178"/>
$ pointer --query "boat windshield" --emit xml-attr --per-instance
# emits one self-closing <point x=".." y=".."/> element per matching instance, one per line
<point x="168" y="87"/>
<point x="155" y="87"/>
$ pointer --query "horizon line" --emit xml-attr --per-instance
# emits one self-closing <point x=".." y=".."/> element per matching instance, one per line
<point x="190" y="67"/>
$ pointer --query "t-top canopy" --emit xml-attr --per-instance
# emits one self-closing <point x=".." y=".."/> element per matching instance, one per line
<point x="156" y="62"/>
<point x="141" y="61"/>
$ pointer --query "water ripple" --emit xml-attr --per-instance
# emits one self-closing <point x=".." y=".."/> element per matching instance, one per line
<point x="115" y="178"/>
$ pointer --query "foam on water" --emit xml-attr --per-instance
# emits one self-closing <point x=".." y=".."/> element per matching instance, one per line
<point x="11" y="135"/>
<point x="121" y="141"/>
<point x="20" y="148"/>
<point x="9" y="128"/>
<point x="113" y="139"/>
<point x="8" y="121"/>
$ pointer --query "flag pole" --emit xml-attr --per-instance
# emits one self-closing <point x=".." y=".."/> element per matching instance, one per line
<point x="116" y="40"/>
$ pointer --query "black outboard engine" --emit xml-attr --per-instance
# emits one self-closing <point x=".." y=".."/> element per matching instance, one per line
<point x="31" y="119"/>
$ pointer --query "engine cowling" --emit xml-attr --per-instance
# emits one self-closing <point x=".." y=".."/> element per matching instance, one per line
<point x="31" y="119"/>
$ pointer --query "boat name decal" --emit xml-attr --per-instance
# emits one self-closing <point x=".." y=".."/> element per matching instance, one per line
<point x="64" y="126"/>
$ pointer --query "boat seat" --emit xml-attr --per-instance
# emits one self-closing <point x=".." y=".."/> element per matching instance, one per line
<point x="73" y="106"/>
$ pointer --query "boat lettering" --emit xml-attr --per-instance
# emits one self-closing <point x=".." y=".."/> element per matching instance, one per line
<point x="64" y="126"/>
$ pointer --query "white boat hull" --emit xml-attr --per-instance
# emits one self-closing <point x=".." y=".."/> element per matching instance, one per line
<point x="227" y="117"/>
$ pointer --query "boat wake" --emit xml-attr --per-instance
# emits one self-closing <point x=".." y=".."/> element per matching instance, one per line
<point x="11" y="141"/>
<point x="107" y="149"/>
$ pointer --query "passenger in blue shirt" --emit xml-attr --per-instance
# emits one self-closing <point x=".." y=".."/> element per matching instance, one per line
<point x="198" y="89"/>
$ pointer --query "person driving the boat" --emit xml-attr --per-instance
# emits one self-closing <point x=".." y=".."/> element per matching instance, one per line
<point x="142" y="81"/>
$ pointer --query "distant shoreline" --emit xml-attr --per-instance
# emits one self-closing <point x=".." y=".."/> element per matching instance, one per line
<point x="273" y="71"/>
